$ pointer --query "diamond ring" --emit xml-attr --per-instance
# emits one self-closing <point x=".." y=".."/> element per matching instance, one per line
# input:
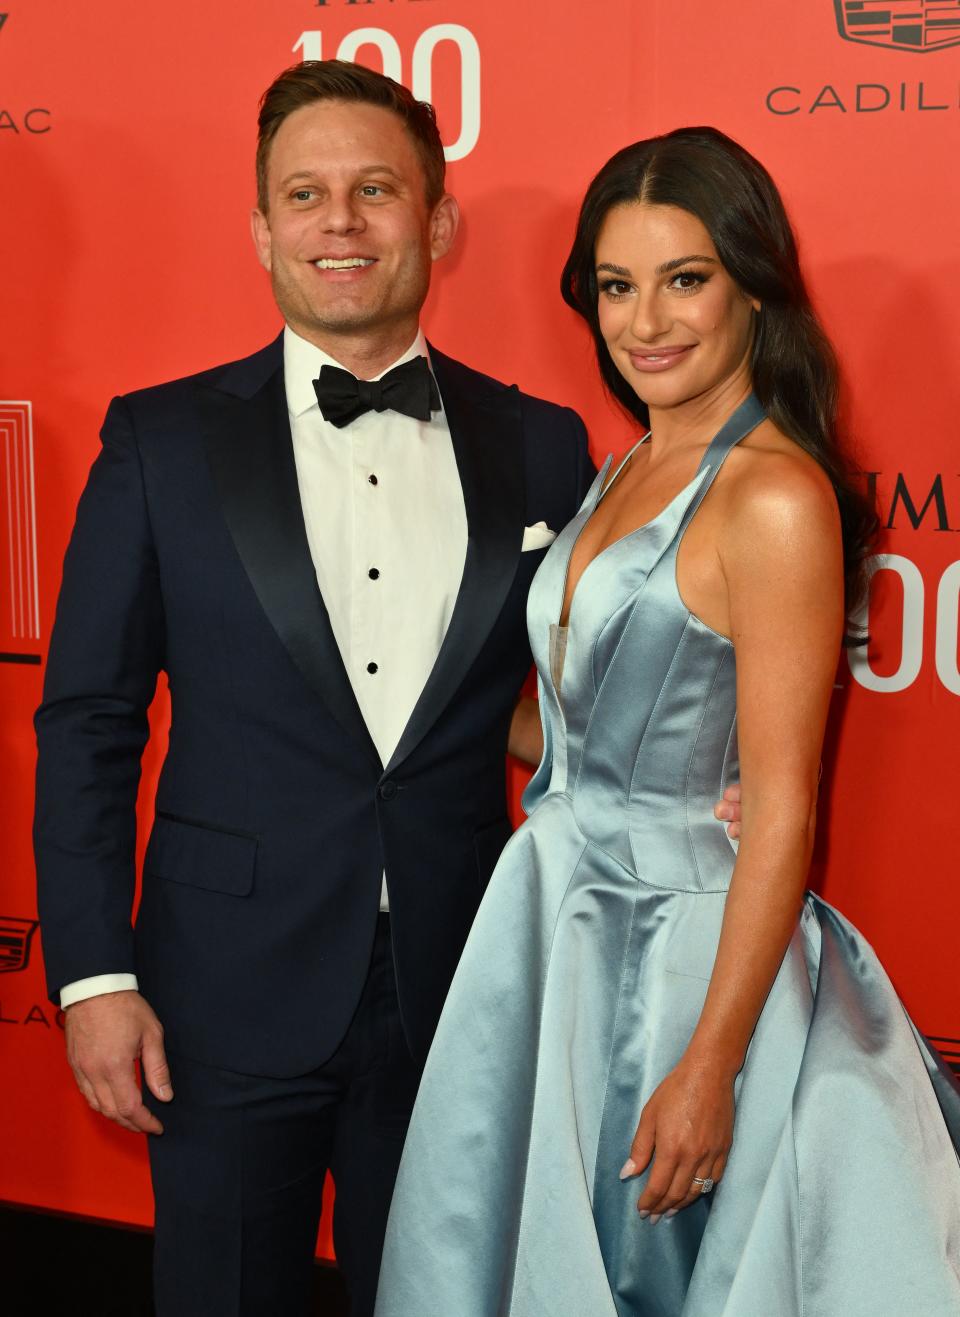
<point x="706" y="1184"/>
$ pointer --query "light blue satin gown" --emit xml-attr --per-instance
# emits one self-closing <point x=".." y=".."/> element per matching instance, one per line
<point x="581" y="985"/>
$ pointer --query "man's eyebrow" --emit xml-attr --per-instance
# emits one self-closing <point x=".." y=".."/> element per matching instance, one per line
<point x="293" y="178"/>
<point x="363" y="171"/>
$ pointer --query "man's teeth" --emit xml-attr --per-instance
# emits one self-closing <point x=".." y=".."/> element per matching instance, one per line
<point x="351" y="263"/>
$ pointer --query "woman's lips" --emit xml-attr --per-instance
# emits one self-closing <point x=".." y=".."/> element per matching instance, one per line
<point x="659" y="359"/>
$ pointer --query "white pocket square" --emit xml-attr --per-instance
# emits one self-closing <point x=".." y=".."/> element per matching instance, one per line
<point x="537" y="536"/>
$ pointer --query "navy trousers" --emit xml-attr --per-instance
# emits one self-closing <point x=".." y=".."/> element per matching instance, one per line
<point x="238" y="1172"/>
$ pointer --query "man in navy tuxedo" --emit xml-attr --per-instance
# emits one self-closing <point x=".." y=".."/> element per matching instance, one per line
<point x="327" y="547"/>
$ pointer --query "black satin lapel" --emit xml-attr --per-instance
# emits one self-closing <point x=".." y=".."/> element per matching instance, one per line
<point x="251" y="456"/>
<point x="485" y="428"/>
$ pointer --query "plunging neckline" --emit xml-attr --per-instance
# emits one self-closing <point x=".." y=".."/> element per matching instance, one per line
<point x="737" y="426"/>
<point x="562" y="625"/>
<point x="604" y="489"/>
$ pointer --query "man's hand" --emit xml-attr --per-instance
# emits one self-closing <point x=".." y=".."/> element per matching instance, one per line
<point x="105" y="1036"/>
<point x="728" y="809"/>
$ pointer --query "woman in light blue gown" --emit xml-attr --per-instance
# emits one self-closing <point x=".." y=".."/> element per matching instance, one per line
<point x="644" y="1017"/>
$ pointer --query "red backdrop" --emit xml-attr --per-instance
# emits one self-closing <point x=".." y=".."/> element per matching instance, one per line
<point x="126" y="151"/>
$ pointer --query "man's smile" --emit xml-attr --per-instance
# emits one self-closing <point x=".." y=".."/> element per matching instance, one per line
<point x="344" y="262"/>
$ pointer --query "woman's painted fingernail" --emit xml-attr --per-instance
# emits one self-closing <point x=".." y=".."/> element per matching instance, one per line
<point x="672" y="1212"/>
<point x="655" y="1218"/>
<point x="628" y="1168"/>
<point x="644" y="1212"/>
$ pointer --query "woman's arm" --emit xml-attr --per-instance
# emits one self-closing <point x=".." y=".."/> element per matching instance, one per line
<point x="781" y="558"/>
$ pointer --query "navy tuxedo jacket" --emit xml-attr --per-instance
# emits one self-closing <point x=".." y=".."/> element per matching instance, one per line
<point x="274" y="816"/>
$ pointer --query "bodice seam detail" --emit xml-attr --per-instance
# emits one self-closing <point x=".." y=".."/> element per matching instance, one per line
<point x="596" y="700"/>
<point x="650" y="717"/>
<point x="631" y="601"/>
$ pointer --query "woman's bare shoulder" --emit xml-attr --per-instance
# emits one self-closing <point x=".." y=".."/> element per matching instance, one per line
<point x="768" y="472"/>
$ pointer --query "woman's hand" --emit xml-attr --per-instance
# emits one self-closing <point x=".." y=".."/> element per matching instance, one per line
<point x="687" y="1127"/>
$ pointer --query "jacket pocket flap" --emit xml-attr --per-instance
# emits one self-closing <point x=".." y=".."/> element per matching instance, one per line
<point x="201" y="856"/>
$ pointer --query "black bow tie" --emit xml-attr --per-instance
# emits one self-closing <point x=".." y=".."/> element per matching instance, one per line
<point x="409" y="389"/>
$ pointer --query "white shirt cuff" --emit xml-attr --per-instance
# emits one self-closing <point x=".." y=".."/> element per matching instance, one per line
<point x="96" y="986"/>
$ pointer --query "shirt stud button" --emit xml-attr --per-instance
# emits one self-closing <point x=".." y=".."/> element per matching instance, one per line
<point x="374" y="573"/>
<point x="373" y="480"/>
<point x="372" y="667"/>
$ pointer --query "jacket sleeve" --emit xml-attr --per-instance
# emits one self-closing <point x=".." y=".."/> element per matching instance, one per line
<point x="106" y="651"/>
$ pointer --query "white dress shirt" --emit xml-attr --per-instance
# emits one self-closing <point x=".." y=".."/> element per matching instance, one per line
<point x="387" y="530"/>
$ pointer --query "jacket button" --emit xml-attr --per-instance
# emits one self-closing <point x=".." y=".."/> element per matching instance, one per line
<point x="388" y="789"/>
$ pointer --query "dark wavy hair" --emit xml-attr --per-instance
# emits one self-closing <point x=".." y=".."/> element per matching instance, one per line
<point x="794" y="368"/>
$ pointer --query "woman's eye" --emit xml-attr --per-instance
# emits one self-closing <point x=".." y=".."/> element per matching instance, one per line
<point x="614" y="288"/>
<point x="688" y="280"/>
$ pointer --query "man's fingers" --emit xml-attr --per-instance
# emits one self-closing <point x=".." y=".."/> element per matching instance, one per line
<point x="728" y="809"/>
<point x="86" y="1088"/>
<point x="129" y="1110"/>
<point x="156" y="1071"/>
<point x="120" y="1101"/>
<point x="105" y="1102"/>
<point x="129" y="1114"/>
<point x="729" y="814"/>
<point x="144" y="1121"/>
<point x="106" y="1036"/>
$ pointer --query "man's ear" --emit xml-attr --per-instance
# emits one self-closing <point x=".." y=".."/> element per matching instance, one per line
<point x="444" y="223"/>
<point x="260" y="231"/>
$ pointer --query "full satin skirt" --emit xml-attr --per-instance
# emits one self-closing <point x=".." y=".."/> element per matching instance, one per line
<point x="578" y="991"/>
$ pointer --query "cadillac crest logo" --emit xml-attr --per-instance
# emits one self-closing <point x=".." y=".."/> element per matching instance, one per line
<point x="917" y="25"/>
<point x="15" y="938"/>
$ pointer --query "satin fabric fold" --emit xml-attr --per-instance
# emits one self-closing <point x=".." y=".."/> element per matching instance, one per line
<point x="583" y="980"/>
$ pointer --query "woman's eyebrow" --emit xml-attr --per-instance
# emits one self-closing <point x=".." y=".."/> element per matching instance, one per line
<point x="683" y="260"/>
